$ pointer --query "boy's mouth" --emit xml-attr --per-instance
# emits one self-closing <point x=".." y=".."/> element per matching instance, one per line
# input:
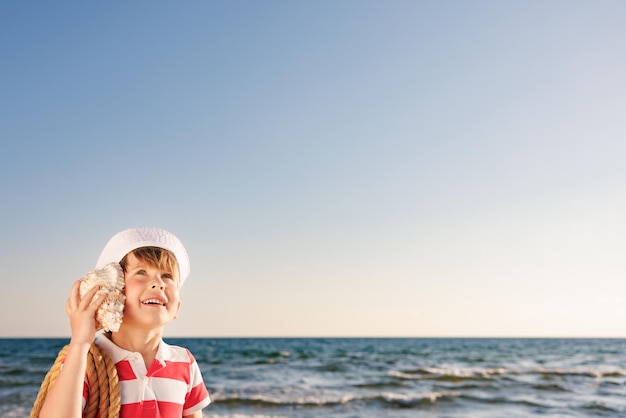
<point x="154" y="301"/>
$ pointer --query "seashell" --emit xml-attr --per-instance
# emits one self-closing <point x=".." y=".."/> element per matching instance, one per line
<point x="111" y="277"/>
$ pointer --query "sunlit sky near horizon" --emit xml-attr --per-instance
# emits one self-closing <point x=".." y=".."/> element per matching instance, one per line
<point x="353" y="168"/>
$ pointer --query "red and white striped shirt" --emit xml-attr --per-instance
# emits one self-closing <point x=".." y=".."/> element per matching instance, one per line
<point x="171" y="387"/>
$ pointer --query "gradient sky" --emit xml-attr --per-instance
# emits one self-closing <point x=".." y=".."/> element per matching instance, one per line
<point x="351" y="168"/>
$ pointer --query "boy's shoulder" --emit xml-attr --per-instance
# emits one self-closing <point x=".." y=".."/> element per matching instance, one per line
<point x="175" y="353"/>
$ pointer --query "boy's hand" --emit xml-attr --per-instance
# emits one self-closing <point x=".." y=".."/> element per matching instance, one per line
<point x="82" y="313"/>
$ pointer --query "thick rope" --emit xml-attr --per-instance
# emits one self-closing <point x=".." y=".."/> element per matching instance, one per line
<point x="104" y="388"/>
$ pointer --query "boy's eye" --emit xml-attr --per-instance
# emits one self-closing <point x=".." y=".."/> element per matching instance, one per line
<point x="167" y="276"/>
<point x="142" y="272"/>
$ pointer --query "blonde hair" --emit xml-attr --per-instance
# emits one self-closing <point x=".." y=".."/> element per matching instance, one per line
<point x="155" y="257"/>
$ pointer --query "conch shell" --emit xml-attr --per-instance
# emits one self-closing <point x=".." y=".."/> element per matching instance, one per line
<point x="111" y="278"/>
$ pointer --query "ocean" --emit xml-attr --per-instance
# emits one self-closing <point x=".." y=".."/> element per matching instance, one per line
<point x="375" y="377"/>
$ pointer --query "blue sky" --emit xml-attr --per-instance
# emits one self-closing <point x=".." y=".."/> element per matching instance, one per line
<point x="353" y="168"/>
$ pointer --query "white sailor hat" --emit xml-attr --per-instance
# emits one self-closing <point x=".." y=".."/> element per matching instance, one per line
<point x="130" y="239"/>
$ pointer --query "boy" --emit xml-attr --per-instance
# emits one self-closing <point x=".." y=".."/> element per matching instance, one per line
<point x="157" y="380"/>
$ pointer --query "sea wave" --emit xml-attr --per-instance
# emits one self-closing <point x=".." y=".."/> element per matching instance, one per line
<point x="585" y="372"/>
<point x="389" y="398"/>
<point x="454" y="374"/>
<point x="599" y="407"/>
<point x="11" y="411"/>
<point x="409" y="400"/>
<point x="273" y="401"/>
<point x="462" y="374"/>
<point x="506" y="400"/>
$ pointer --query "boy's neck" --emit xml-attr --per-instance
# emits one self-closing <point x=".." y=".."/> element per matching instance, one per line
<point x="144" y="342"/>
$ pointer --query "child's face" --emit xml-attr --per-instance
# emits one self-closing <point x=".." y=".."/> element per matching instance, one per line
<point x="152" y="294"/>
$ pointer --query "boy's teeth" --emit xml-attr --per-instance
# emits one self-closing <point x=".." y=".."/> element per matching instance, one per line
<point x="152" y="302"/>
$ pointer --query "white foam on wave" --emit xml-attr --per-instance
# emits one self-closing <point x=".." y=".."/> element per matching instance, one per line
<point x="469" y="373"/>
<point x="286" y="399"/>
<point x="407" y="398"/>
<point x="323" y="400"/>
<point x="433" y="372"/>
<point x="474" y="373"/>
<point x="585" y="372"/>
<point x="408" y="376"/>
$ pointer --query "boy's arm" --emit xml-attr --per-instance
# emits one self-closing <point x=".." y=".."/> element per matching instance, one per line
<point x="64" y="400"/>
<point x="197" y="414"/>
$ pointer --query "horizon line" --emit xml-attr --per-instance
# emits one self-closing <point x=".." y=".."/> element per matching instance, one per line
<point x="344" y="337"/>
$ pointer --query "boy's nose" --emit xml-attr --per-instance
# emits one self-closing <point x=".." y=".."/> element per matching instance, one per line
<point x="158" y="282"/>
